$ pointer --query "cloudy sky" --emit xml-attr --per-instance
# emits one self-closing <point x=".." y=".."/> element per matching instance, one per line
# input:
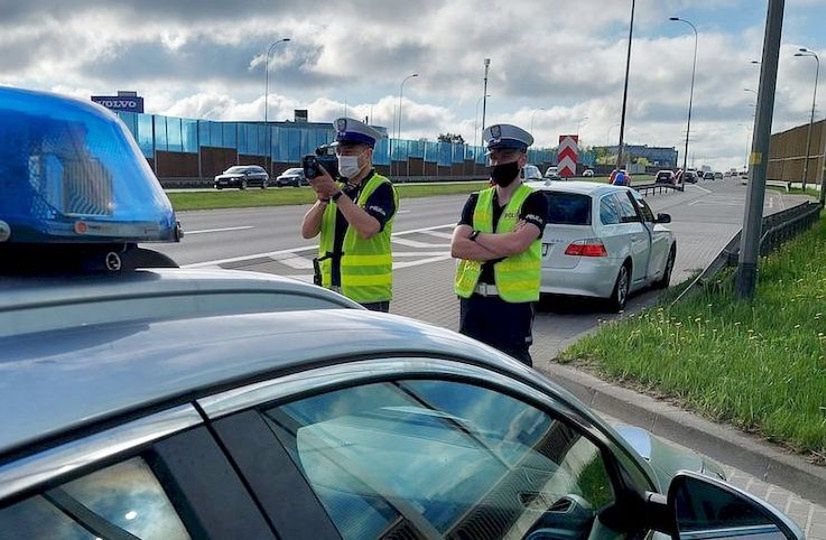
<point x="558" y="65"/>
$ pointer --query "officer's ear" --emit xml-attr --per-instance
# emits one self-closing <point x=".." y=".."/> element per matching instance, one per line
<point x="523" y="158"/>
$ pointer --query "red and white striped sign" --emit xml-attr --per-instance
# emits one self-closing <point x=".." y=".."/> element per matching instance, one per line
<point x="566" y="157"/>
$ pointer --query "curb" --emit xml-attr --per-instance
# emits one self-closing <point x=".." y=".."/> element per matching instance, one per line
<point x="723" y="443"/>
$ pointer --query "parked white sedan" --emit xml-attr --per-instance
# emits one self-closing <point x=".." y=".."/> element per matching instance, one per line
<point x="603" y="241"/>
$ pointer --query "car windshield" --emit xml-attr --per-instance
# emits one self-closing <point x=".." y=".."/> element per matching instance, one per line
<point x="292" y="171"/>
<point x="236" y="170"/>
<point x="568" y="208"/>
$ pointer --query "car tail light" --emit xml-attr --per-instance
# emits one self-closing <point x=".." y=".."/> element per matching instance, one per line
<point x="586" y="248"/>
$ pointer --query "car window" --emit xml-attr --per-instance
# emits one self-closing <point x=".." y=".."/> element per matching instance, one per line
<point x="420" y="458"/>
<point x="609" y="213"/>
<point x="123" y="498"/>
<point x="645" y="210"/>
<point x="627" y="211"/>
<point x="568" y="208"/>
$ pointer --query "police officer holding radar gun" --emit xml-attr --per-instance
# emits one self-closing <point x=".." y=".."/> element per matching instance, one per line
<point x="354" y="215"/>
<point x="498" y="243"/>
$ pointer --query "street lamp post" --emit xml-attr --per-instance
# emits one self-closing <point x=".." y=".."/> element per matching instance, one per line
<point x="806" y="52"/>
<point x="476" y="119"/>
<point x="485" y="93"/>
<point x="266" y="100"/>
<point x="399" y="127"/>
<point x="625" y="90"/>
<point x="691" y="93"/>
<point x="533" y="113"/>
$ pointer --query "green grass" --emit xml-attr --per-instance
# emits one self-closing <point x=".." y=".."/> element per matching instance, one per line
<point x="760" y="366"/>
<point x="253" y="197"/>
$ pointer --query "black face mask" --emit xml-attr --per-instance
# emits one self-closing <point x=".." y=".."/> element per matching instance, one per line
<point x="504" y="174"/>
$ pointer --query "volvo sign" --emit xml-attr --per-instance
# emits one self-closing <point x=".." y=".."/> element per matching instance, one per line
<point x="124" y="101"/>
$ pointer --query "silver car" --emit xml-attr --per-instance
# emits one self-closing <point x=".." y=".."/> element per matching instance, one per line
<point x="603" y="241"/>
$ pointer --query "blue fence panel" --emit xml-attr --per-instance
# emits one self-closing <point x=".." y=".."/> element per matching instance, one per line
<point x="445" y="156"/>
<point x="144" y="134"/>
<point x="415" y="149"/>
<point x="230" y="135"/>
<point x="160" y="133"/>
<point x="189" y="135"/>
<point x="458" y="153"/>
<point x="216" y="135"/>
<point x="381" y="153"/>
<point x="174" y="138"/>
<point x="431" y="151"/>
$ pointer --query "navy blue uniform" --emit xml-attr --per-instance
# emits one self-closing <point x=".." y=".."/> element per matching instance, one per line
<point x="503" y="325"/>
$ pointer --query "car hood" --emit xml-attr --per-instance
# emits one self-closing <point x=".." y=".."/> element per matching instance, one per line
<point x="289" y="175"/>
<point x="666" y="458"/>
<point x="230" y="176"/>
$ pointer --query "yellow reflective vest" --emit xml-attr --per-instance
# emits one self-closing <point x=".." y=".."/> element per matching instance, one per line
<point x="518" y="276"/>
<point x="366" y="264"/>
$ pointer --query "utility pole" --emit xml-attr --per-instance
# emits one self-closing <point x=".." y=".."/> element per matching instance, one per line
<point x="485" y="93"/>
<point x="625" y="91"/>
<point x="806" y="52"/>
<point x="759" y="158"/>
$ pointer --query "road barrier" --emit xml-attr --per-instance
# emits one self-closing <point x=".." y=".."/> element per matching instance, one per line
<point x="777" y="228"/>
<point x="651" y="189"/>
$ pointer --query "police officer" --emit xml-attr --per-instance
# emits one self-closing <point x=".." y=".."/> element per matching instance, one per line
<point x="497" y="242"/>
<point x="355" y="219"/>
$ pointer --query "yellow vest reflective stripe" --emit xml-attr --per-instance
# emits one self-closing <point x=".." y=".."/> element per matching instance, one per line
<point x="366" y="265"/>
<point x="518" y="276"/>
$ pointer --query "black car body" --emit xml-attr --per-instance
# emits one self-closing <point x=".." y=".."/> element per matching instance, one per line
<point x="665" y="177"/>
<point x="243" y="176"/>
<point x="292" y="177"/>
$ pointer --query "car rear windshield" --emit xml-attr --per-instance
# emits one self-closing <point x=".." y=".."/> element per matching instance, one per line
<point x="568" y="208"/>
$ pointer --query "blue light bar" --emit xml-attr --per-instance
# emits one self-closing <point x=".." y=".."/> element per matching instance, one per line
<point x="70" y="171"/>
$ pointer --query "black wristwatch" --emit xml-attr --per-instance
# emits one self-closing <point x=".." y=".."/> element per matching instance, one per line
<point x="337" y="195"/>
<point x="473" y="235"/>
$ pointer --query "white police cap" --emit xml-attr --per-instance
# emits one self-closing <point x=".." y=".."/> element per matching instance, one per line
<point x="503" y="136"/>
<point x="351" y="130"/>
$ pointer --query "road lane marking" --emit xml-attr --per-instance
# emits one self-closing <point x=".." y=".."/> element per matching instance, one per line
<point x="281" y="252"/>
<point x="225" y="229"/>
<point x="439" y="234"/>
<point x="417" y="244"/>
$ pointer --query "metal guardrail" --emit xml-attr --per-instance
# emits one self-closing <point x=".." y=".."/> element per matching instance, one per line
<point x="202" y="183"/>
<point x="652" y="189"/>
<point x="780" y="183"/>
<point x="777" y="228"/>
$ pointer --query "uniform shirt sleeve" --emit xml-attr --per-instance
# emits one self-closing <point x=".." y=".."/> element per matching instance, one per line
<point x="535" y="210"/>
<point x="467" y="211"/>
<point x="381" y="204"/>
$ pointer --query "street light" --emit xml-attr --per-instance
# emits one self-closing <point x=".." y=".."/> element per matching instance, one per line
<point x="266" y="99"/>
<point x="625" y="90"/>
<point x="485" y="92"/>
<point x="399" y="132"/>
<point x="806" y="52"/>
<point x="533" y="113"/>
<point x="476" y="118"/>
<point x="691" y="93"/>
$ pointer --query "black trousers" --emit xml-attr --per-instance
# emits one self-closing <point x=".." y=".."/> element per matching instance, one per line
<point x="384" y="307"/>
<point x="502" y="325"/>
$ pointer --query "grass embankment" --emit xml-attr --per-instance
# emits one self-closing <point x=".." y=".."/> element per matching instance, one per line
<point x="760" y="366"/>
<point x="254" y="197"/>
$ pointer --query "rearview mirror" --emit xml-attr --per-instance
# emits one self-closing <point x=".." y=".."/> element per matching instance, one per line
<point x="704" y="507"/>
<point x="663" y="218"/>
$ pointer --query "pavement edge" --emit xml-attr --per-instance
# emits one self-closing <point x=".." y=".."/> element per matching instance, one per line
<point x="723" y="443"/>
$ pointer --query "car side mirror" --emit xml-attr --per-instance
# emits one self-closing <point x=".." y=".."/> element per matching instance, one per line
<point x="663" y="218"/>
<point x="704" y="507"/>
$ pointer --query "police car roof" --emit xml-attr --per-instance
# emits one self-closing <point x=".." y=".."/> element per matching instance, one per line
<point x="584" y="188"/>
<point x="59" y="380"/>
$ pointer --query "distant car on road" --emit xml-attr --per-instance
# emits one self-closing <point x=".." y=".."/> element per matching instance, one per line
<point x="690" y="176"/>
<point x="552" y="171"/>
<point x="665" y="176"/>
<point x="243" y="176"/>
<point x="531" y="173"/>
<point x="718" y="175"/>
<point x="588" y="173"/>
<point x="292" y="177"/>
<point x="708" y="175"/>
<point x="603" y="241"/>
